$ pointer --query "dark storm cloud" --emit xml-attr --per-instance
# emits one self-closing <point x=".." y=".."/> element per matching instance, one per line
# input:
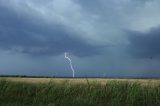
<point x="108" y="6"/>
<point x="95" y="6"/>
<point x="145" y="44"/>
<point x="25" y="34"/>
<point x="45" y="29"/>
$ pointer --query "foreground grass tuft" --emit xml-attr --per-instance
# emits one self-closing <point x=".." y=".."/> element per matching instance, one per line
<point x="93" y="94"/>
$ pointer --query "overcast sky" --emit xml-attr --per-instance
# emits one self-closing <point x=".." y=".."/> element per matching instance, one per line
<point x="102" y="37"/>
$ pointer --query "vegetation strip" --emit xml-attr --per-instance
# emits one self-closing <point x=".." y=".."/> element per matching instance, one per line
<point x="113" y="93"/>
<point x="150" y="82"/>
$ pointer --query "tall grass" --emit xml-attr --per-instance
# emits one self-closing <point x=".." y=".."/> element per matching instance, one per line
<point x="91" y="94"/>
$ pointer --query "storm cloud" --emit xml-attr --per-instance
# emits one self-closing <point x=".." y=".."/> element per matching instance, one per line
<point x="103" y="37"/>
<point x="145" y="44"/>
<point x="20" y="33"/>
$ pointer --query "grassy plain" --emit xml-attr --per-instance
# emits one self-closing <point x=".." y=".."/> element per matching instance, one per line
<point x="150" y="82"/>
<point x="79" y="92"/>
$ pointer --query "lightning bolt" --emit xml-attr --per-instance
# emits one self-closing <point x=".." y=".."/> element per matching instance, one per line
<point x="70" y="62"/>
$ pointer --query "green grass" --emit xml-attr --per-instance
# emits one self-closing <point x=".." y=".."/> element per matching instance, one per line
<point x="91" y="94"/>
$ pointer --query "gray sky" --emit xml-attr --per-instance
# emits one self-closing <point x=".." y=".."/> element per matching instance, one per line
<point x="103" y="37"/>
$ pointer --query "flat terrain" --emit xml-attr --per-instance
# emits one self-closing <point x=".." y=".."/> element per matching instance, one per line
<point x="17" y="91"/>
<point x="82" y="80"/>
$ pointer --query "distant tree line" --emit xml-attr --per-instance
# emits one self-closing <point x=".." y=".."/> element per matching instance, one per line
<point x="27" y="76"/>
<point x="108" y="77"/>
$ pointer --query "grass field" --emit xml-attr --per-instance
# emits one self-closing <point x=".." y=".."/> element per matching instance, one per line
<point x="150" y="82"/>
<point x="79" y="92"/>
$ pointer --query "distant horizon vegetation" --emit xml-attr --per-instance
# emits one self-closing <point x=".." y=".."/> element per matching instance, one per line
<point x="45" y="76"/>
